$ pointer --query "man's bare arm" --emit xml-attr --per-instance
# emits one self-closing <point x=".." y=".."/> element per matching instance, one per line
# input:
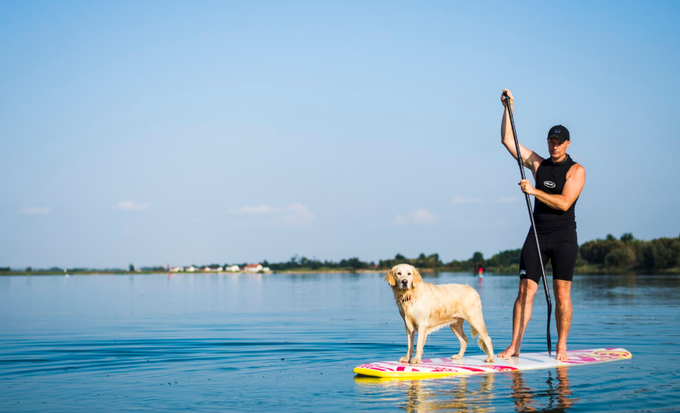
<point x="576" y="179"/>
<point x="529" y="158"/>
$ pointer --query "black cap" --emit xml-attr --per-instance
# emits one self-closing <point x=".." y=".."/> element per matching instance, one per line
<point x="560" y="132"/>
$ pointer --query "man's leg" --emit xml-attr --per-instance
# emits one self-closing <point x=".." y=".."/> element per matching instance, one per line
<point x="521" y="314"/>
<point x="563" y="312"/>
<point x="564" y="260"/>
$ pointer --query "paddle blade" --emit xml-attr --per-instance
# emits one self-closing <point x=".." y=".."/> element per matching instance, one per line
<point x="549" y="341"/>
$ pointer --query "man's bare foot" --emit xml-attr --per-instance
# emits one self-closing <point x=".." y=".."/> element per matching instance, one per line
<point x="561" y="354"/>
<point x="509" y="352"/>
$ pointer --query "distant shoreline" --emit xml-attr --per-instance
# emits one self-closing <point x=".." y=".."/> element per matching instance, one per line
<point x="609" y="256"/>
<point x="586" y="270"/>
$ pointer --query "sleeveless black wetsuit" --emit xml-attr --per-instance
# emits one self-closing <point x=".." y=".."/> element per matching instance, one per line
<point x="556" y="229"/>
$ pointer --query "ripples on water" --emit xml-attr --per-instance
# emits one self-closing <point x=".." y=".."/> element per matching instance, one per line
<point x="290" y="342"/>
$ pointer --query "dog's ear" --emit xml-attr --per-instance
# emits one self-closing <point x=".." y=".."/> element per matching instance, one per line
<point x="417" y="279"/>
<point x="390" y="278"/>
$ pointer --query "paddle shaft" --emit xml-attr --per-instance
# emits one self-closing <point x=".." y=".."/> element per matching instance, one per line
<point x="531" y="216"/>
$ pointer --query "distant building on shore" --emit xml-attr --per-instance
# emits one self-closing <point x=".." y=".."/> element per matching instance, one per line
<point x="255" y="268"/>
<point x="250" y="268"/>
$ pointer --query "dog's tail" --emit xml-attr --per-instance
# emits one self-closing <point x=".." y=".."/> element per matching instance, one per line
<point x="480" y="342"/>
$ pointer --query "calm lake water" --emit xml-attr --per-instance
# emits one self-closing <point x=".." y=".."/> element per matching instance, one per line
<point x="289" y="343"/>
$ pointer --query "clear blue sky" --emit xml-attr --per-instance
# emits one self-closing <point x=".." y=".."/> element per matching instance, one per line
<point x="203" y="132"/>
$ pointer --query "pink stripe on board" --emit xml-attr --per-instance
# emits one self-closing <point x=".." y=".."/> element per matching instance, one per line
<point x="470" y="369"/>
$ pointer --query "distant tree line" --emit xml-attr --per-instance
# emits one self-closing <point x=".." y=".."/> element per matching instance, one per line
<point x="628" y="253"/>
<point x="609" y="255"/>
<point x="304" y="263"/>
<point x="430" y="262"/>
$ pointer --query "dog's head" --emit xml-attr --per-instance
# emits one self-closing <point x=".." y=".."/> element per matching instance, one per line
<point x="403" y="277"/>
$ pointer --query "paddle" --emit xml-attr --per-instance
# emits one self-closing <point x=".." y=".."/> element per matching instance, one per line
<point x="531" y="216"/>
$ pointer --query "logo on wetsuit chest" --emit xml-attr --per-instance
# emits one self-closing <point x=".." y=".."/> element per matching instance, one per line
<point x="549" y="184"/>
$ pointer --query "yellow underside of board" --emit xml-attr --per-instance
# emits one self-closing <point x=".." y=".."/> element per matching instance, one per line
<point x="404" y="374"/>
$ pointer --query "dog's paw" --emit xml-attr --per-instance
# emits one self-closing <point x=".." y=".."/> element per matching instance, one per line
<point x="415" y="361"/>
<point x="403" y="360"/>
<point x="456" y="357"/>
<point x="488" y="360"/>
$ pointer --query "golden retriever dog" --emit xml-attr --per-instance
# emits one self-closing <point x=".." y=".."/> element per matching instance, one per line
<point x="426" y="308"/>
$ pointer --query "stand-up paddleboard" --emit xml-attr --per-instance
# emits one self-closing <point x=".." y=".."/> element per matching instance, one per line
<point x="441" y="367"/>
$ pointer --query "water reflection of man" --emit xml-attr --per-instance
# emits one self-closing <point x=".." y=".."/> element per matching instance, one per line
<point x="559" y="395"/>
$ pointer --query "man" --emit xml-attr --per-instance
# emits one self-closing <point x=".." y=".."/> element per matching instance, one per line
<point x="559" y="182"/>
